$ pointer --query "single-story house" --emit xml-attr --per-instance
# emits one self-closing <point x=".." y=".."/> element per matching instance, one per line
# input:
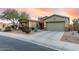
<point x="57" y="23"/>
<point x="29" y="23"/>
<point x="4" y="24"/>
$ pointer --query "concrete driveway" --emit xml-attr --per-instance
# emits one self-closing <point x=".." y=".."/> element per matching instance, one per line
<point x="49" y="35"/>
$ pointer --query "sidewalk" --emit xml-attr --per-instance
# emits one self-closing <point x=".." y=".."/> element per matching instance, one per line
<point x="45" y="38"/>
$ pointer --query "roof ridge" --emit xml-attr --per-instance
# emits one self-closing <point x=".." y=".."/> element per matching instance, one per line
<point x="56" y="15"/>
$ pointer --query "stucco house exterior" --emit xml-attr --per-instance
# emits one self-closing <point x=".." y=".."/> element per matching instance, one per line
<point x="4" y="24"/>
<point x="76" y="26"/>
<point x="57" y="23"/>
<point x="30" y="23"/>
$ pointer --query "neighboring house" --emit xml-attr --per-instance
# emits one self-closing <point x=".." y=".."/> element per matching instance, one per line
<point x="2" y="25"/>
<point x="57" y="23"/>
<point x="30" y="23"/>
<point x="33" y="23"/>
<point x="5" y="24"/>
<point x="76" y="25"/>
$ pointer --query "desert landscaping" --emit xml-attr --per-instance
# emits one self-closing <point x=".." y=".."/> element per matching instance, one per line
<point x="72" y="37"/>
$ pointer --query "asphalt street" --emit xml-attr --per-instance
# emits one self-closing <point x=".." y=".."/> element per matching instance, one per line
<point x="11" y="44"/>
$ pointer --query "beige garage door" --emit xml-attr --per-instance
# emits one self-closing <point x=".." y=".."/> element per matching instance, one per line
<point x="55" y="26"/>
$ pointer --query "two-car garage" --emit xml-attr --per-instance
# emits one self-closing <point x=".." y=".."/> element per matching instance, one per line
<point x="56" y="26"/>
<point x="56" y="23"/>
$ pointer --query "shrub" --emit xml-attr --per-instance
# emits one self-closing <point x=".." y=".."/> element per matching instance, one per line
<point x="78" y="31"/>
<point x="32" y="28"/>
<point x="7" y="29"/>
<point x="35" y="30"/>
<point x="26" y="29"/>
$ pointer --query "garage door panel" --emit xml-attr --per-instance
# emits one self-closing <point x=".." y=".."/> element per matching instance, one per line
<point x="55" y="26"/>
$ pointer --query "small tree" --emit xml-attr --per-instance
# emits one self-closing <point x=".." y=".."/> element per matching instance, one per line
<point x="24" y="17"/>
<point x="10" y="14"/>
<point x="75" y="24"/>
<point x="75" y="21"/>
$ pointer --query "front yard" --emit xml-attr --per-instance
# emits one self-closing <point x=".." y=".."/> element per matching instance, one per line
<point x="72" y="37"/>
